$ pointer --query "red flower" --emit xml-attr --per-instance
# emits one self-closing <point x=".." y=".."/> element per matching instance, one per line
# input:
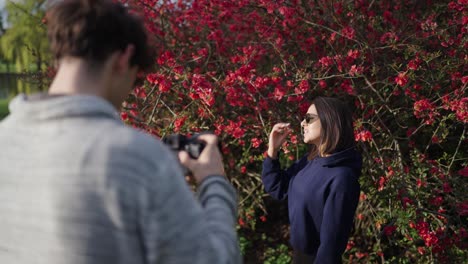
<point x="388" y="230"/>
<point x="161" y="80"/>
<point x="382" y="182"/>
<point x="364" y="135"/>
<point x="322" y="84"/>
<point x="405" y="201"/>
<point x="410" y="131"/>
<point x="124" y="116"/>
<point x="348" y="32"/>
<point x="302" y="87"/>
<point x="389" y="37"/>
<point x="355" y="70"/>
<point x="421" y="250"/>
<point x="256" y="142"/>
<point x="179" y="122"/>
<point x="462" y="208"/>
<point x="437" y="201"/>
<point x="263" y="218"/>
<point x="362" y="197"/>
<point x="464" y="79"/>
<point x="446" y="187"/>
<point x="424" y="108"/>
<point x="461" y="109"/>
<point x="354" y="54"/>
<point x="235" y="129"/>
<point x="360" y="216"/>
<point x="350" y="245"/>
<point x="463" y="172"/>
<point x="326" y="62"/>
<point x="401" y="79"/>
<point x="279" y="92"/>
<point x="140" y="92"/>
<point x="414" y="64"/>
<point x="294" y="139"/>
<point x="166" y="58"/>
<point x="420" y="183"/>
<point x="243" y="169"/>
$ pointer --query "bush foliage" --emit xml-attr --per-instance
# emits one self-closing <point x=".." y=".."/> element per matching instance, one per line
<point x="238" y="67"/>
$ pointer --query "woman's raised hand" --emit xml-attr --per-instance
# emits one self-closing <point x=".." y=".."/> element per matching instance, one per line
<point x="278" y="135"/>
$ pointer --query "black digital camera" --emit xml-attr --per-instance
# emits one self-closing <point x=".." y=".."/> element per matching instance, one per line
<point x="192" y="145"/>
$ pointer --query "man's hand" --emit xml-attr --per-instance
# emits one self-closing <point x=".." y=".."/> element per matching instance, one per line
<point x="210" y="161"/>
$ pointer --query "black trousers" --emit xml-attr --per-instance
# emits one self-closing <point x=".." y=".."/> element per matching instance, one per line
<point x="302" y="258"/>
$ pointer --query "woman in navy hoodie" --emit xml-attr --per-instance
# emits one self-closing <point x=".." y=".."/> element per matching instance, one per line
<point x="322" y="188"/>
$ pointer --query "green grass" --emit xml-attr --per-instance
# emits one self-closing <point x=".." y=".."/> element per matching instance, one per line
<point x="7" y="67"/>
<point x="4" y="108"/>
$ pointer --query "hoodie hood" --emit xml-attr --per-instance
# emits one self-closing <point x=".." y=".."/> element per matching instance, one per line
<point x="347" y="158"/>
<point x="48" y="107"/>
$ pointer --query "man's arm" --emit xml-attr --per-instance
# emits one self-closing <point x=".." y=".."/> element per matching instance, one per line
<point x="180" y="229"/>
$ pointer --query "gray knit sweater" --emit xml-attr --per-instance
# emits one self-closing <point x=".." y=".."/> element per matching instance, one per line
<point x="78" y="186"/>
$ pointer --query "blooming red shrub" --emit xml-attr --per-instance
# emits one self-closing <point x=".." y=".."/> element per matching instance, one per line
<point x="238" y="67"/>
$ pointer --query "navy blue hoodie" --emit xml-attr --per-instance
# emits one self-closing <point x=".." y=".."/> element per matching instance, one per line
<point x="322" y="194"/>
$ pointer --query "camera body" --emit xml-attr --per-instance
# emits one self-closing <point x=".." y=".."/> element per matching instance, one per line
<point x="192" y="145"/>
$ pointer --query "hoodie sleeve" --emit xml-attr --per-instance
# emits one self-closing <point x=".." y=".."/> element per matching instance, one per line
<point x="338" y="216"/>
<point x="276" y="180"/>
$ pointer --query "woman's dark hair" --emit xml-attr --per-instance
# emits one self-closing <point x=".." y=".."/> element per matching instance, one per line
<point x="337" y="125"/>
<point x="94" y="29"/>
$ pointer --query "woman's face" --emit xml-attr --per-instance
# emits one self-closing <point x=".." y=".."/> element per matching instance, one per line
<point x="311" y="126"/>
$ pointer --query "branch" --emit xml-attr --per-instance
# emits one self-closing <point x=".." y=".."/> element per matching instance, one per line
<point x="458" y="147"/>
<point x="153" y="111"/>
<point x="369" y="84"/>
<point x="331" y="30"/>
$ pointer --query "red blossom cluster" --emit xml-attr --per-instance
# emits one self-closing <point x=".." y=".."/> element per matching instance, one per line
<point x="425" y="109"/>
<point x="364" y="135"/>
<point x="388" y="230"/>
<point x="401" y="79"/>
<point x="462" y="208"/>
<point x="439" y="240"/>
<point x="430" y="238"/>
<point x="238" y="67"/>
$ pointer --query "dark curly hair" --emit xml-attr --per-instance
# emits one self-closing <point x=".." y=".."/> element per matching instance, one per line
<point x="94" y="29"/>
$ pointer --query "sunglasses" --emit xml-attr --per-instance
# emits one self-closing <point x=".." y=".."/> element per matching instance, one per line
<point x="310" y="118"/>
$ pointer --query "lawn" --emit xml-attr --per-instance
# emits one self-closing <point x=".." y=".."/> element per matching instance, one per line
<point x="6" y="67"/>
<point x="3" y="108"/>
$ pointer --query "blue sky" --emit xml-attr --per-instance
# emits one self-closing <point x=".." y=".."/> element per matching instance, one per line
<point x="2" y="5"/>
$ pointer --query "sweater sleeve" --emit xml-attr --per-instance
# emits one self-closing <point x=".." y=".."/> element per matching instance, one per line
<point x="275" y="180"/>
<point x="338" y="216"/>
<point x="180" y="229"/>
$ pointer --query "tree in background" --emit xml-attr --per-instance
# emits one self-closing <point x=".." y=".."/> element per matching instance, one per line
<point x="25" y="40"/>
<point x="2" y="27"/>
